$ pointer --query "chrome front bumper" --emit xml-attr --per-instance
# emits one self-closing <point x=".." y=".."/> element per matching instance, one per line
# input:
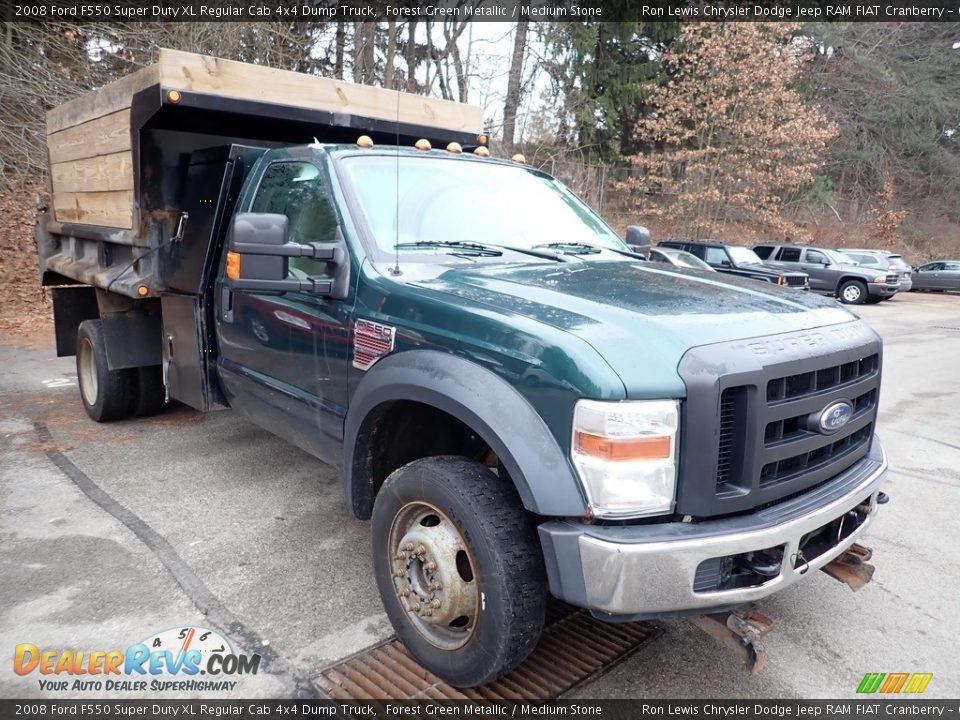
<point x="649" y="570"/>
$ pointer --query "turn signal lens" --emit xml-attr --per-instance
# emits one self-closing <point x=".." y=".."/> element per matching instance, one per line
<point x="233" y="265"/>
<point x="605" y="448"/>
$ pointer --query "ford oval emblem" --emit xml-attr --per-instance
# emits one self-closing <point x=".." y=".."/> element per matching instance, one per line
<point x="834" y="416"/>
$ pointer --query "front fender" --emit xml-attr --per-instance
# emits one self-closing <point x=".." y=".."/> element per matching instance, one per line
<point x="483" y="401"/>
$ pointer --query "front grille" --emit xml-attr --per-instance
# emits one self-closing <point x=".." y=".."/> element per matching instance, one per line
<point x="814" y="381"/>
<point x="893" y="279"/>
<point x="780" y="471"/>
<point x="752" y="416"/>
<point x="795" y="280"/>
<point x="727" y="419"/>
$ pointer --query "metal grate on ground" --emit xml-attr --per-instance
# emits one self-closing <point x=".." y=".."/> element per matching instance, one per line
<point x="574" y="649"/>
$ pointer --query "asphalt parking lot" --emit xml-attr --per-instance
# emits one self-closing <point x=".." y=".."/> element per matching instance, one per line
<point x="112" y="533"/>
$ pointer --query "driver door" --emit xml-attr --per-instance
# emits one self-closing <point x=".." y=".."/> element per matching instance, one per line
<point x="288" y="353"/>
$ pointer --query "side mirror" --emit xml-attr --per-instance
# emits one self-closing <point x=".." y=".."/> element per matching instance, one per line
<point x="638" y="238"/>
<point x="726" y="263"/>
<point x="259" y="253"/>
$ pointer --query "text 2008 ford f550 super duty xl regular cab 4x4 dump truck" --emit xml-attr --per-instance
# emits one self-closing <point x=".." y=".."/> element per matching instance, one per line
<point x="520" y="404"/>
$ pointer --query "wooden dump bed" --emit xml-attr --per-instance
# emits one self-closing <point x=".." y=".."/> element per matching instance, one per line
<point x="94" y="140"/>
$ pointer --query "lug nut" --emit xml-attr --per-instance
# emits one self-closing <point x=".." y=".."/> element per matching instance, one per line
<point x="403" y="592"/>
<point x="437" y="586"/>
<point x="408" y="547"/>
<point x="421" y="550"/>
<point x="398" y="573"/>
<point x="430" y="566"/>
<point x="415" y="607"/>
<point x="399" y="556"/>
<point x="435" y="603"/>
<point x="428" y="613"/>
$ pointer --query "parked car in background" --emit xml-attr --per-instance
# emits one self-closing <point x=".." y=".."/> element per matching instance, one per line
<point x="737" y="260"/>
<point x="938" y="276"/>
<point x="832" y="272"/>
<point x="883" y="260"/>
<point x="677" y="258"/>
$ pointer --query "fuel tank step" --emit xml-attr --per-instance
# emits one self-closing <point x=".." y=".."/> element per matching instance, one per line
<point x="574" y="648"/>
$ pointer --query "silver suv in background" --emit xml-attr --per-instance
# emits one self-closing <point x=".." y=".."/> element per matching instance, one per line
<point x="832" y="272"/>
<point x="886" y="261"/>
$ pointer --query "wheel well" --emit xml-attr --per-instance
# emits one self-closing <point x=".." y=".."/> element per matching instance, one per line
<point x="401" y="431"/>
<point x="847" y="278"/>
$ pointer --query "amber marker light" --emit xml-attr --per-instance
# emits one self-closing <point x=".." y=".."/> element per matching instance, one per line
<point x="455" y="148"/>
<point x="519" y="158"/>
<point x="481" y="152"/>
<point x="143" y="291"/>
<point x="423" y="144"/>
<point x="233" y="265"/>
<point x="365" y="141"/>
<point x="605" y="448"/>
<point x="173" y="96"/>
<point x="482" y="139"/>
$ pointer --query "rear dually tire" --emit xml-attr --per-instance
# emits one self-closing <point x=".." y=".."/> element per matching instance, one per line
<point x="105" y="393"/>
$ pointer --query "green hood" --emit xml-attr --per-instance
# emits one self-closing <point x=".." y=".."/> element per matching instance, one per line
<point x="640" y="319"/>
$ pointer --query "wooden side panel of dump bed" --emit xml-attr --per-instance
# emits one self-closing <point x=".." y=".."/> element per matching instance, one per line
<point x="89" y="142"/>
<point x="93" y="139"/>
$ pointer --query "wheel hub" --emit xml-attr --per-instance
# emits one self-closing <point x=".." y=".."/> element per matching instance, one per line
<point x="433" y="576"/>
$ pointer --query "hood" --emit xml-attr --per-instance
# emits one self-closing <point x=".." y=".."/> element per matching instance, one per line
<point x="640" y="319"/>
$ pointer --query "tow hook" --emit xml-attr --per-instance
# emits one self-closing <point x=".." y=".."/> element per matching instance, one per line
<point x="761" y="563"/>
<point x="852" y="567"/>
<point x="740" y="630"/>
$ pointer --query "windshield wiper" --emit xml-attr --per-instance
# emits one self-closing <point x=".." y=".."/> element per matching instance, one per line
<point x="469" y="247"/>
<point x="589" y="249"/>
<point x="574" y="248"/>
<point x="482" y="250"/>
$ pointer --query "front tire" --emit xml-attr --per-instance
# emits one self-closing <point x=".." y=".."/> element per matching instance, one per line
<point x="853" y="292"/>
<point x="459" y="569"/>
<point x="105" y="393"/>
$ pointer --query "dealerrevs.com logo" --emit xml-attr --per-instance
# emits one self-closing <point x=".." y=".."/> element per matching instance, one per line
<point x="171" y="660"/>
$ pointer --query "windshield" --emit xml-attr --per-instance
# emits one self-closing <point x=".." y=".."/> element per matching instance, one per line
<point x="685" y="259"/>
<point x="839" y="257"/>
<point x="445" y="200"/>
<point x="743" y="255"/>
<point x="897" y="262"/>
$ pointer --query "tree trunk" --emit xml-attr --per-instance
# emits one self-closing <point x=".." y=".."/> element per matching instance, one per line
<point x="411" y="56"/>
<point x="391" y="54"/>
<point x="513" y="85"/>
<point x="340" y="44"/>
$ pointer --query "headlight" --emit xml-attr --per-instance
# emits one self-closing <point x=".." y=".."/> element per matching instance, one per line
<point x="625" y="454"/>
<point x="781" y="280"/>
<point x="879" y="279"/>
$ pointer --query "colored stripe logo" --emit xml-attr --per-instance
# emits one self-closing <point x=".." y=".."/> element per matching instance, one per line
<point x="894" y="683"/>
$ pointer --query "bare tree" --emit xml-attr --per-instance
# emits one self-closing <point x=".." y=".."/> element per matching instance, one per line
<point x="512" y="101"/>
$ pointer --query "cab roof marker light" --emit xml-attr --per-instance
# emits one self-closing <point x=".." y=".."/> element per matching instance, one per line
<point x="423" y="144"/>
<point x="365" y="141"/>
<point x="454" y="148"/>
<point x="481" y="152"/>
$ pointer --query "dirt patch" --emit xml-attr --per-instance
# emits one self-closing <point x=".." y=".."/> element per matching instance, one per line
<point x="25" y="314"/>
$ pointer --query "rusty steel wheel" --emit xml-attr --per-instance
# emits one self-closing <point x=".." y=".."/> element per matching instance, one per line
<point x="459" y="568"/>
<point x="433" y="575"/>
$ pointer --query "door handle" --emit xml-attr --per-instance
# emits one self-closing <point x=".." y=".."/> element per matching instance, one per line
<point x="226" y="303"/>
